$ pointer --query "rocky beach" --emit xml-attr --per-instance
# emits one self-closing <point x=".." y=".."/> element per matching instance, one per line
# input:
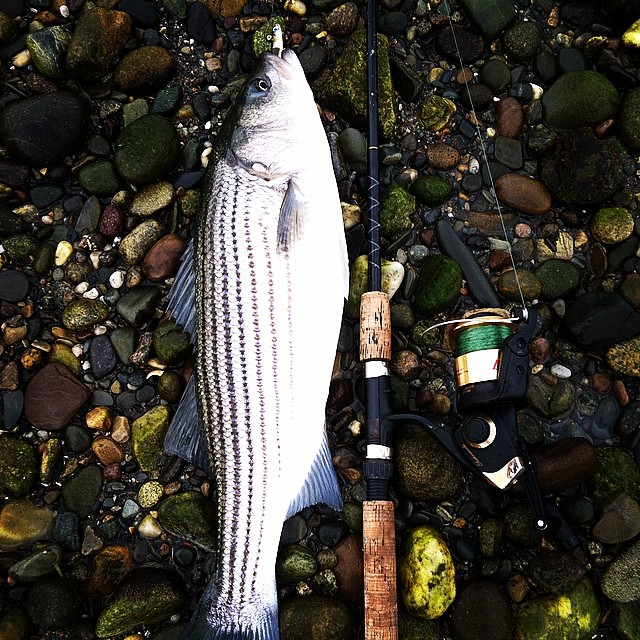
<point x="108" y="110"/>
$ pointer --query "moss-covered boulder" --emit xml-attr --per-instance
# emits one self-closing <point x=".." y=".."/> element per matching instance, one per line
<point x="630" y="120"/>
<point x="190" y="516"/>
<point x="431" y="191"/>
<point x="147" y="436"/>
<point x="18" y="467"/>
<point x="53" y="603"/>
<point x="616" y="472"/>
<point x="435" y="112"/>
<point x="621" y="581"/>
<point x="438" y="285"/>
<point x="626" y="619"/>
<point x="580" y="99"/>
<point x="315" y="618"/>
<point x="171" y="344"/>
<point x="397" y="207"/>
<point x="83" y="313"/>
<point x="146" y="595"/>
<point x="346" y="91"/>
<point x="557" y="277"/>
<point x="295" y="563"/>
<point x="424" y="469"/>
<point x="426" y="573"/>
<point x="624" y="357"/>
<point x="610" y="225"/>
<point x="570" y="616"/>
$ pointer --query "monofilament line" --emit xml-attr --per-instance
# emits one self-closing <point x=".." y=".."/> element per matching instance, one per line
<point x="484" y="156"/>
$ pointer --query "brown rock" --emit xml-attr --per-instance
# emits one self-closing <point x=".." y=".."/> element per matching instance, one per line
<point x="620" y="520"/>
<point x="620" y="393"/>
<point x="13" y="335"/>
<point x="405" y="364"/>
<point x="9" y="377"/>
<point x="145" y="69"/>
<point x="99" y="36"/>
<point x="523" y="193"/>
<point x="99" y="418"/>
<point x="224" y="8"/>
<point x="343" y="20"/>
<point x="107" y="568"/>
<point x="509" y="118"/>
<point x="53" y="396"/>
<point x="442" y="156"/>
<point x="601" y="382"/>
<point x="539" y="350"/>
<point x="489" y="223"/>
<point x="111" y="221"/>
<point x="350" y="569"/>
<point x="112" y="472"/>
<point x="163" y="258"/>
<point x="563" y="464"/>
<point x="107" y="451"/>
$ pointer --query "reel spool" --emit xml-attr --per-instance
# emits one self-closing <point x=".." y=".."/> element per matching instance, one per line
<point x="479" y="345"/>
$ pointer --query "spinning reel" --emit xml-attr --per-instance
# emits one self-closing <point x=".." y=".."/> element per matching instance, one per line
<point x="492" y="375"/>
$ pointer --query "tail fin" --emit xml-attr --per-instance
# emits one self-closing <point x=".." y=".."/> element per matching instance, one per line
<point x="253" y="622"/>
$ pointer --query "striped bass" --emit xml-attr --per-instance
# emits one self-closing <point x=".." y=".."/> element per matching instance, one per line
<point x="262" y="291"/>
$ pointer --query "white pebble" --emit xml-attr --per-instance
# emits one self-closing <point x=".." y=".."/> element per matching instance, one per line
<point x="91" y="294"/>
<point x="77" y="350"/>
<point x="560" y="371"/>
<point x="149" y="527"/>
<point x="63" y="252"/>
<point x="474" y="165"/>
<point x="100" y="330"/>
<point x="94" y="256"/>
<point x="204" y="158"/>
<point x="81" y="288"/>
<point x="64" y="11"/>
<point x="116" y="279"/>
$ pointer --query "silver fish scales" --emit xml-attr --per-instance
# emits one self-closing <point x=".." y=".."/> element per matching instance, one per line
<point x="269" y="271"/>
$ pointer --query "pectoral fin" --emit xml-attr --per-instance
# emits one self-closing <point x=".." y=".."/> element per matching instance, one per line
<point x="292" y="217"/>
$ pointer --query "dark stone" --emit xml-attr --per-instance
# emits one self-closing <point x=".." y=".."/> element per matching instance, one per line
<point x="138" y="305"/>
<point x="481" y="610"/>
<point x="490" y="23"/>
<point x="81" y="491"/>
<point x="496" y="75"/>
<point x="13" y="8"/>
<point x="10" y="223"/>
<point x="142" y="12"/>
<point x="571" y="59"/>
<point x="599" y="319"/>
<point x="14" y="286"/>
<point x="200" y="24"/>
<point x="405" y="80"/>
<point x="312" y="60"/>
<point x="13" y="402"/>
<point x="77" y="439"/>
<point x="481" y="97"/>
<point x="44" y="195"/>
<point x="582" y="169"/>
<point x="53" y="603"/>
<point x="102" y="356"/>
<point x="42" y="130"/>
<point x="471" y="44"/>
<point x="557" y="572"/>
<point x="53" y="397"/>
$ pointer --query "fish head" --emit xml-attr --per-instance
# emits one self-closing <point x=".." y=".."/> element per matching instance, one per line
<point x="268" y="130"/>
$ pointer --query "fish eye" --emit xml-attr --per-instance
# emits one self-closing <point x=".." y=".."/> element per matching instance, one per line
<point x="261" y="84"/>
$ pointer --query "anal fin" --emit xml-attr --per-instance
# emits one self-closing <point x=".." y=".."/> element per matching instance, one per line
<point x="184" y="438"/>
<point x="321" y="484"/>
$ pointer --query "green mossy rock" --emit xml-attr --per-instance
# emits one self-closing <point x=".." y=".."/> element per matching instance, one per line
<point x="99" y="178"/>
<point x="262" y="38"/>
<point x="491" y="17"/>
<point x="435" y="112"/>
<point x="570" y="616"/>
<point x="18" y="467"/>
<point x="172" y="345"/>
<point x="621" y="581"/>
<point x="580" y="99"/>
<point x="22" y="523"/>
<point x="438" y="285"/>
<point x="315" y="618"/>
<point x="81" y="491"/>
<point x="392" y="275"/>
<point x="630" y="120"/>
<point x="431" y="190"/>
<point x="558" y="278"/>
<point x="397" y="207"/>
<point x="617" y="472"/>
<point x="345" y="89"/>
<point x="295" y="563"/>
<point x="611" y="225"/>
<point x="626" y="619"/>
<point x="147" y="436"/>
<point x="83" y="313"/>
<point x="529" y="284"/>
<point x="522" y="41"/>
<point x="20" y="246"/>
<point x="412" y="628"/>
<point x="190" y="516"/>
<point x="147" y="149"/>
<point x="424" y="469"/>
<point x="426" y="574"/>
<point x="145" y="596"/>
<point x="624" y="357"/>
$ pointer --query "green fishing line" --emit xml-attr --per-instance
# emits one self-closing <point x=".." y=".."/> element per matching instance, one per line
<point x="491" y="336"/>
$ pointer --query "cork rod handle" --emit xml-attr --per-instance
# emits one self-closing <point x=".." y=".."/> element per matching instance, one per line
<point x="375" y="326"/>
<point x="381" y="601"/>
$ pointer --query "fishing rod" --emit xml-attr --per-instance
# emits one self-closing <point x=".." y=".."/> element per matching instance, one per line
<point x="491" y="377"/>
<point x="379" y="535"/>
